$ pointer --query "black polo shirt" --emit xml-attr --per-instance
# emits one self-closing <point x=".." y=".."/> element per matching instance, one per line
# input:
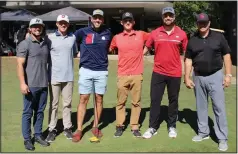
<point x="207" y="53"/>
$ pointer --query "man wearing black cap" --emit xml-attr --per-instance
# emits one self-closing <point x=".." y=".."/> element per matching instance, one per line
<point x="206" y="52"/>
<point x="168" y="41"/>
<point x="130" y="45"/>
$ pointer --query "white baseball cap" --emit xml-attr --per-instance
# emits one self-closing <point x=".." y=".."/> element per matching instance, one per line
<point x="36" y="21"/>
<point x="63" y="17"/>
<point x="98" y="12"/>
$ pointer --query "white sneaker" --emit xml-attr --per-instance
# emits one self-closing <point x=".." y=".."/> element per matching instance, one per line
<point x="223" y="145"/>
<point x="149" y="133"/>
<point x="172" y="132"/>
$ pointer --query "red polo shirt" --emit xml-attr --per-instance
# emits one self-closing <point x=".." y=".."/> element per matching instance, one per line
<point x="167" y="50"/>
<point x="130" y="51"/>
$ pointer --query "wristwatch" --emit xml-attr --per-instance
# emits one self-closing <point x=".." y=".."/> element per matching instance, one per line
<point x="230" y="75"/>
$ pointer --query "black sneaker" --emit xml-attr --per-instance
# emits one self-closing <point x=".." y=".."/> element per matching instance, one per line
<point x="51" y="136"/>
<point x="136" y="133"/>
<point x="41" y="141"/>
<point x="28" y="145"/>
<point x="119" y="131"/>
<point x="68" y="133"/>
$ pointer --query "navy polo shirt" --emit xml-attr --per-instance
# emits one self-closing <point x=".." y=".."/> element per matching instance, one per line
<point x="94" y="48"/>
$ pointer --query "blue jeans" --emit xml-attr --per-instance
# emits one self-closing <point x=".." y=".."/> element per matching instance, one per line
<point x="35" y="101"/>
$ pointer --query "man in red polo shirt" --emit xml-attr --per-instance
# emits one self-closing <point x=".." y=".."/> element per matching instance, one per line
<point x="169" y="42"/>
<point x="130" y="45"/>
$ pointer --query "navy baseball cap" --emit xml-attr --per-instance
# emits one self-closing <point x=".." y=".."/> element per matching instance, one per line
<point x="202" y="17"/>
<point x="168" y="10"/>
<point x="127" y="15"/>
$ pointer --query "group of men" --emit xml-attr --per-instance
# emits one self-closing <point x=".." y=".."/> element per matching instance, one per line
<point x="48" y="61"/>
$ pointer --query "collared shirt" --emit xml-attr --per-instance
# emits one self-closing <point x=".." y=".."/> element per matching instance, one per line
<point x="37" y="56"/>
<point x="167" y="50"/>
<point x="94" y="48"/>
<point x="62" y="49"/>
<point x="207" y="53"/>
<point x="130" y="52"/>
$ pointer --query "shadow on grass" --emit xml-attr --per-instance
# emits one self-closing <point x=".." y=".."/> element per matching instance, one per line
<point x="187" y="116"/>
<point x="190" y="118"/>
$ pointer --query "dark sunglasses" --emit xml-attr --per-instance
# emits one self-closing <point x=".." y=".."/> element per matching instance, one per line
<point x="128" y="20"/>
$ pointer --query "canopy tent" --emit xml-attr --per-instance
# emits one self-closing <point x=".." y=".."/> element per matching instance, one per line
<point x="73" y="13"/>
<point x="17" y="15"/>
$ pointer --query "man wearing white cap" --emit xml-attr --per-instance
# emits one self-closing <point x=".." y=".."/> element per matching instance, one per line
<point x="32" y="61"/>
<point x="93" y="68"/>
<point x="62" y="51"/>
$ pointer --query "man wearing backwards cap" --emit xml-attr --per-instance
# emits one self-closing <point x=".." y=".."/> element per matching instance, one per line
<point x="208" y="78"/>
<point x="93" y="68"/>
<point x="63" y="47"/>
<point x="130" y="45"/>
<point x="32" y="61"/>
<point x="168" y="41"/>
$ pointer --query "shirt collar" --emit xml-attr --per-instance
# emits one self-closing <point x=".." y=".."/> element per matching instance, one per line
<point x="34" y="40"/>
<point x="57" y="33"/>
<point x="162" y="29"/>
<point x="209" y="34"/>
<point x="133" y="32"/>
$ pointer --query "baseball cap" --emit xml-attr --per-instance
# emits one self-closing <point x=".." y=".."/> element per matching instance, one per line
<point x="168" y="10"/>
<point x="127" y="15"/>
<point x="63" y="17"/>
<point x="36" y="21"/>
<point x="202" y="17"/>
<point x="98" y="12"/>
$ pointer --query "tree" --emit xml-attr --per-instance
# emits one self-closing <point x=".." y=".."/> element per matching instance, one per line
<point x="186" y="11"/>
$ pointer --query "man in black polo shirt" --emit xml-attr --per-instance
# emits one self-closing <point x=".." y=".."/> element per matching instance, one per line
<point x="206" y="52"/>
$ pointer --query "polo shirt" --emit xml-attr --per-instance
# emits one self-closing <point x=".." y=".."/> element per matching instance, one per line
<point x="37" y="56"/>
<point x="207" y="53"/>
<point x="130" y="52"/>
<point x="94" y="48"/>
<point x="167" y="50"/>
<point x="62" y="49"/>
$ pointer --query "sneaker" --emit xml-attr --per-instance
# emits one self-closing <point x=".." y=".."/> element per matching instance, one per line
<point x="68" y="133"/>
<point x="172" y="132"/>
<point x="136" y="133"/>
<point x="28" y="145"/>
<point x="41" y="141"/>
<point x="149" y="133"/>
<point x="97" y="132"/>
<point x="223" y="145"/>
<point x="77" y="136"/>
<point x="199" y="138"/>
<point x="51" y="136"/>
<point x="119" y="131"/>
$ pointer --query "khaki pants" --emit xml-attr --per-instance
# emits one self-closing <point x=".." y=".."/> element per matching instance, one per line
<point x="132" y="83"/>
<point x="67" y="92"/>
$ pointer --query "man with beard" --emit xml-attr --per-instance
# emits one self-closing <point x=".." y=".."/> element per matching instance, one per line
<point x="93" y="71"/>
<point x="63" y="47"/>
<point x="130" y="45"/>
<point x="169" y="41"/>
<point x="32" y="60"/>
<point x="206" y="51"/>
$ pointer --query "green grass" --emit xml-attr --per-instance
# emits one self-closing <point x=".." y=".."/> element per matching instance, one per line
<point x="12" y="105"/>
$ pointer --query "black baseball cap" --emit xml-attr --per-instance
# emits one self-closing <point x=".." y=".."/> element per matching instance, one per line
<point x="202" y="17"/>
<point x="127" y="15"/>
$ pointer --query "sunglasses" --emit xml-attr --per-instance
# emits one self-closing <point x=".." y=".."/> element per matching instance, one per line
<point x="128" y="20"/>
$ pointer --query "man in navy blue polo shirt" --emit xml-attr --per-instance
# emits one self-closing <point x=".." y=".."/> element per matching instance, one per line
<point x="93" y="69"/>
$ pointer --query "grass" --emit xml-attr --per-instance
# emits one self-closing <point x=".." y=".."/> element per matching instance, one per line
<point x="11" y="110"/>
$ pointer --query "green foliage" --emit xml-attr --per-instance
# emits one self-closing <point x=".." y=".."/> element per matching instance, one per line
<point x="185" y="13"/>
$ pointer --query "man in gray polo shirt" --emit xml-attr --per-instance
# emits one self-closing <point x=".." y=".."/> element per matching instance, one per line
<point x="32" y="60"/>
<point x="63" y="47"/>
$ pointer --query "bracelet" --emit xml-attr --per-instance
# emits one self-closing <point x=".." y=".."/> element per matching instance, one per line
<point x="230" y="75"/>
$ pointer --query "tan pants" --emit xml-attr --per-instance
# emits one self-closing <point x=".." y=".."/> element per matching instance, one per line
<point x="67" y="92"/>
<point x="132" y="83"/>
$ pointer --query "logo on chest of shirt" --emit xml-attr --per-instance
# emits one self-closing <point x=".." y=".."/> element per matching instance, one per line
<point x="103" y="38"/>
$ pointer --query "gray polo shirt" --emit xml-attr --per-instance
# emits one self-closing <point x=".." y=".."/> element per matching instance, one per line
<point x="62" y="49"/>
<point x="37" y="55"/>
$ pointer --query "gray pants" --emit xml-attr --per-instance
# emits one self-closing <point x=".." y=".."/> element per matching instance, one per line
<point x="67" y="92"/>
<point x="211" y="86"/>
